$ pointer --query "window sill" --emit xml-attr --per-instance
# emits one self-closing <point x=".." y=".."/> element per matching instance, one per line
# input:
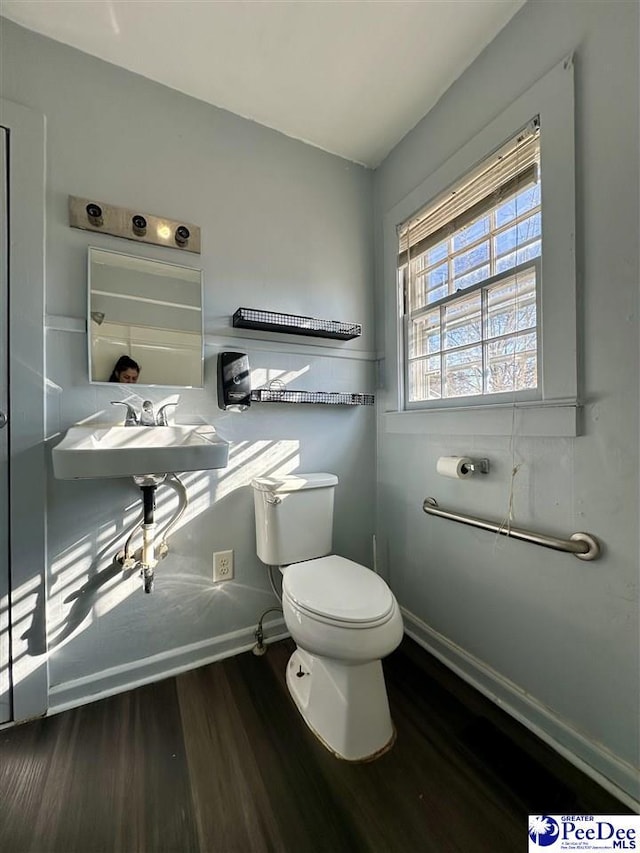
<point x="557" y="418"/>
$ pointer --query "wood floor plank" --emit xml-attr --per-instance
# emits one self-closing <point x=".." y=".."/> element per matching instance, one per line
<point x="311" y="814"/>
<point x="25" y="757"/>
<point x="116" y="779"/>
<point x="218" y="760"/>
<point x="231" y="807"/>
<point x="534" y="777"/>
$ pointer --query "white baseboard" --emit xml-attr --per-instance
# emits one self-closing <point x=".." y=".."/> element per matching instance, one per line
<point x="608" y="770"/>
<point x="118" y="679"/>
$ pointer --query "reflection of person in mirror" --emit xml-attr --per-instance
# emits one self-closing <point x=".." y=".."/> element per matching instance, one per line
<point x="125" y="370"/>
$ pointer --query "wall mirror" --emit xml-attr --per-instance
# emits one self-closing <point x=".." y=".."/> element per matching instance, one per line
<point x="148" y="310"/>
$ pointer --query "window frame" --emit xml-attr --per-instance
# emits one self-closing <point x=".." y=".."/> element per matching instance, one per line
<point x="552" y="99"/>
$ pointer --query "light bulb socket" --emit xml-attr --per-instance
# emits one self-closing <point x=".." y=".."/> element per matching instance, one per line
<point x="182" y="235"/>
<point x="94" y="214"/>
<point x="139" y="225"/>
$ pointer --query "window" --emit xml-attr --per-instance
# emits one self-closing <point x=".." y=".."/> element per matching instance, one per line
<point x="469" y="283"/>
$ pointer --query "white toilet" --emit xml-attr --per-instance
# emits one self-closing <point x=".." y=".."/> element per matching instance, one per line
<point x="342" y="616"/>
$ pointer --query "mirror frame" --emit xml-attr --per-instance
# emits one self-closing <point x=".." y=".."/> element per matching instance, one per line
<point x="155" y="262"/>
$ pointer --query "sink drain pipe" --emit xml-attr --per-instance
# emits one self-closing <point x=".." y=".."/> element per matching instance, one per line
<point x="150" y="553"/>
<point x="148" y="533"/>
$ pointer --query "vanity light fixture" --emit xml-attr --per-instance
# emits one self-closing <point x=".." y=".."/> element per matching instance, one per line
<point x="136" y="225"/>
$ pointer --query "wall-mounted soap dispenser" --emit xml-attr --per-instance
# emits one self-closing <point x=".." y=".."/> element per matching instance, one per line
<point x="234" y="381"/>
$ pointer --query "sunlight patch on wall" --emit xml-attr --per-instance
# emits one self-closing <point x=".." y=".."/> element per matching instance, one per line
<point x="261" y="459"/>
<point x="24" y="602"/>
<point x="115" y="591"/>
<point x="261" y="377"/>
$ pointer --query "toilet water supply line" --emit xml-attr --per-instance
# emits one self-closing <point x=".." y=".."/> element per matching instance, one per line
<point x="260" y="648"/>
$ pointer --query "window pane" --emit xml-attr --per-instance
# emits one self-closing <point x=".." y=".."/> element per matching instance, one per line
<point x="511" y="364"/>
<point x="473" y="258"/>
<point x="471" y="234"/>
<point x="514" y="259"/>
<point x="437" y="253"/>
<point x="425" y="379"/>
<point x="471" y="278"/>
<point x="436" y="295"/>
<point x="424" y="334"/>
<point x="437" y="283"/>
<point x="462" y="322"/>
<point x="463" y="372"/>
<point x="516" y="206"/>
<point x="428" y="287"/>
<point x="513" y="237"/>
<point x="511" y="305"/>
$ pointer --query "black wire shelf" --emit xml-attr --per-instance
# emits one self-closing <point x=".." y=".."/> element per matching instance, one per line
<point x="331" y="398"/>
<point x="294" y="324"/>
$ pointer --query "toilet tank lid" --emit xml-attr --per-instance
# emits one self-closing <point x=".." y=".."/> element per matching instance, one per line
<point x="294" y="482"/>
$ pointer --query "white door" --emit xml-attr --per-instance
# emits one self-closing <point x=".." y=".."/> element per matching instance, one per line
<point x="5" y="644"/>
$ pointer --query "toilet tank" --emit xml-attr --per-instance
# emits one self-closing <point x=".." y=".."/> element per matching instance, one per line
<point x="294" y="517"/>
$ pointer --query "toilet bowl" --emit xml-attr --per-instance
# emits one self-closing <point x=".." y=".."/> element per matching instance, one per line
<point x="339" y="609"/>
<point x="342" y="616"/>
<point x="335" y="675"/>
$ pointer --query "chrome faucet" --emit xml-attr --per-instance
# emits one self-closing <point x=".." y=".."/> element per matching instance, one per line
<point x="147" y="416"/>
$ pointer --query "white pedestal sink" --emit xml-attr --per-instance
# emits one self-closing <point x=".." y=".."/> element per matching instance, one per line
<point x="90" y="452"/>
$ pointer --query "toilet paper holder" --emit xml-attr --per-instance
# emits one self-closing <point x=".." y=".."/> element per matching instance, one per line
<point x="478" y="465"/>
<point x="461" y="467"/>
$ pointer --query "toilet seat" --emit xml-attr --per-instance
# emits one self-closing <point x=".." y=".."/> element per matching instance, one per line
<point x="338" y="591"/>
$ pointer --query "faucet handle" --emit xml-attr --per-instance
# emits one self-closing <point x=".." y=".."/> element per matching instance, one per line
<point x="131" y="419"/>
<point x="161" y="417"/>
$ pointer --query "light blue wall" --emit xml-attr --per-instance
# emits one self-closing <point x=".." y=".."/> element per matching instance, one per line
<point x="285" y="227"/>
<point x="290" y="228"/>
<point x="559" y="635"/>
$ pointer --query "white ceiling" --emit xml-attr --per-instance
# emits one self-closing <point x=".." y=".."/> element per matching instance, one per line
<point x="349" y="76"/>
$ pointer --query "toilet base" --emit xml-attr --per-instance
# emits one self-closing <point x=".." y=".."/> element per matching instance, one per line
<point x="346" y="707"/>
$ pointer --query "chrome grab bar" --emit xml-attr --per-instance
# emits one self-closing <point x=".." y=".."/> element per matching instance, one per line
<point x="581" y="545"/>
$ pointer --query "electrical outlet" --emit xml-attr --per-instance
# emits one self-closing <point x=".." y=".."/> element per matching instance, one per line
<point x="222" y="566"/>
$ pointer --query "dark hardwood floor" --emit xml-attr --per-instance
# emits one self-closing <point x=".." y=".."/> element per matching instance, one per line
<point x="218" y="760"/>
